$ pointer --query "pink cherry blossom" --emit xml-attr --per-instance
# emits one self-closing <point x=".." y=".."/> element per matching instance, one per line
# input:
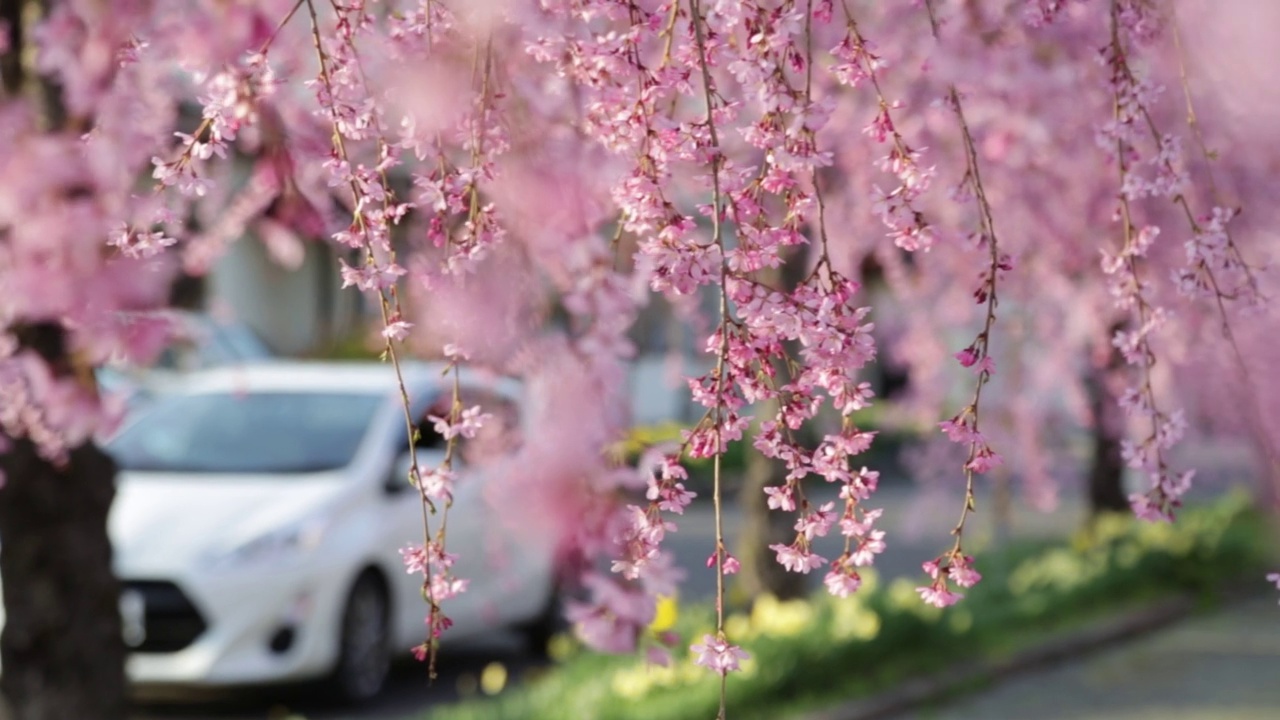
<point x="842" y="581"/>
<point x="397" y="330"/>
<point x="437" y="483"/>
<point x="715" y="653"/>
<point x="797" y="559"/>
<point x="470" y="422"/>
<point x="961" y="572"/>
<point x="731" y="564"/>
<point x="938" y="595"/>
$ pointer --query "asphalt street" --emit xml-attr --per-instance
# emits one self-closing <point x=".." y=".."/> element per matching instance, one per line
<point x="1217" y="667"/>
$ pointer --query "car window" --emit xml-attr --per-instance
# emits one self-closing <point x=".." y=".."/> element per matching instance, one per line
<point x="203" y="343"/>
<point x="273" y="432"/>
<point x="240" y="343"/>
<point x="181" y="354"/>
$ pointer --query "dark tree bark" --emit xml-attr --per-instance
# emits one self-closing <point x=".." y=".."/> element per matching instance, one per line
<point x="188" y="292"/>
<point x="1106" y="492"/>
<point x="11" y="75"/>
<point x="62" y="650"/>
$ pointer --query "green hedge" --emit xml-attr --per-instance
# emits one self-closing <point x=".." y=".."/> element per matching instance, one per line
<point x="808" y="653"/>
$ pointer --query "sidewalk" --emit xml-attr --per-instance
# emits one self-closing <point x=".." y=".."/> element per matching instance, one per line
<point x="1225" y="666"/>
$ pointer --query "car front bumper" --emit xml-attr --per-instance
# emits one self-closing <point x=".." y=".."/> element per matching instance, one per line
<point x="257" y="627"/>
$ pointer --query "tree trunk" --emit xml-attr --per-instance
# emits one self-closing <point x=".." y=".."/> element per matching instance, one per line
<point x="1105" y="488"/>
<point x="1106" y="474"/>
<point x="62" y="650"/>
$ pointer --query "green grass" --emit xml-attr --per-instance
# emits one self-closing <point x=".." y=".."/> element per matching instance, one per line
<point x="809" y="653"/>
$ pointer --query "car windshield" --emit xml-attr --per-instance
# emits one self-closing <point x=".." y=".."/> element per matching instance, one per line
<point x="281" y="432"/>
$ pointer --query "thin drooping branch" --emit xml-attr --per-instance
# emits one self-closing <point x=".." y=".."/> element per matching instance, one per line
<point x="1129" y="108"/>
<point x="376" y="240"/>
<point x="964" y="427"/>
<point x="717" y="238"/>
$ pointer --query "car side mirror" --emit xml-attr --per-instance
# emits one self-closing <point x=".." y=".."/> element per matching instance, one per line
<point x="397" y="480"/>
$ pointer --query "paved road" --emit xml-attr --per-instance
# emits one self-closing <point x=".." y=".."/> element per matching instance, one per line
<point x="918" y="530"/>
<point x="1221" y="667"/>
<point x="407" y="694"/>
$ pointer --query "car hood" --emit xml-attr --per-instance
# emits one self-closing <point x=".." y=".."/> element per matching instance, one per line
<point x="160" y="524"/>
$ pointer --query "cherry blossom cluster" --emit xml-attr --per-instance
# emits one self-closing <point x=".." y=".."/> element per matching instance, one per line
<point x="699" y="134"/>
<point x="819" y="316"/>
<point x="69" y="164"/>
<point x="716" y="653"/>
<point x="1130" y="25"/>
<point x="54" y="416"/>
<point x="450" y="196"/>
<point x="623" y="96"/>
<point x="768" y="194"/>
<point x="835" y="341"/>
<point x="952" y="567"/>
<point x="1038" y="13"/>
<point x="862" y="541"/>
<point x="615" y="616"/>
<point x="139" y="243"/>
<point x="617" y="613"/>
<point x="621" y="113"/>
<point x="641" y="538"/>
<point x="229" y="103"/>
<point x="431" y="561"/>
<point x="856" y="64"/>
<point x="1215" y="268"/>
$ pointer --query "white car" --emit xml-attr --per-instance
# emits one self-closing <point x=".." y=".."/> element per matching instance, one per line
<point x="259" y="517"/>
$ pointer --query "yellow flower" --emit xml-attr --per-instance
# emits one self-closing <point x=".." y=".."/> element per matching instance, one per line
<point x="851" y="620"/>
<point x="769" y="616"/>
<point x="738" y="627"/>
<point x="493" y="678"/>
<point x="665" y="616"/>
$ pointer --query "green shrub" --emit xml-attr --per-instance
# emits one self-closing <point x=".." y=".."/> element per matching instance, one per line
<point x="809" y="652"/>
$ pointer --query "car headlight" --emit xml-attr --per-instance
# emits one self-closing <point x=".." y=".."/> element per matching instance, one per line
<point x="292" y="541"/>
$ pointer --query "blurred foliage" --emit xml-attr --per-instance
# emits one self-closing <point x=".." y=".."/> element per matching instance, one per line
<point x="359" y="345"/>
<point x="808" y="653"/>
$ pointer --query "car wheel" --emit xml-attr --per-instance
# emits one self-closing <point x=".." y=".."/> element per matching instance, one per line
<point x="365" y="644"/>
<point x="539" y="630"/>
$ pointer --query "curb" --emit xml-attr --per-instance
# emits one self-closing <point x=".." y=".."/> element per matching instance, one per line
<point x="1105" y="633"/>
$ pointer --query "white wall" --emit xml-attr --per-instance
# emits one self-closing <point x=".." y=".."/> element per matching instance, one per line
<point x="285" y="307"/>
